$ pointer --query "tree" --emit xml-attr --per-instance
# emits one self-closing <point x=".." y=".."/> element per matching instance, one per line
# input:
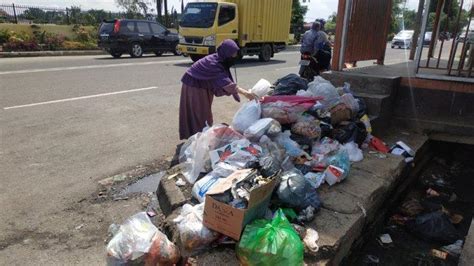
<point x="167" y="19"/>
<point x="159" y="10"/>
<point x="133" y="7"/>
<point x="297" y="18"/>
<point x="298" y="13"/>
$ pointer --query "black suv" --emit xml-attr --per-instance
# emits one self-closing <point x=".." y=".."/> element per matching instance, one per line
<point x="136" y="37"/>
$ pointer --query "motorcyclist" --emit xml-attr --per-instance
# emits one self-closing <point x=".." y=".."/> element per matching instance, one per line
<point x="311" y="42"/>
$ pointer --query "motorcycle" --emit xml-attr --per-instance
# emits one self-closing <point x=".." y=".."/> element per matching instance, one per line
<point x="309" y="67"/>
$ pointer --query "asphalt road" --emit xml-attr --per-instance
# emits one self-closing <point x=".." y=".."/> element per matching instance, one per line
<point x="67" y="122"/>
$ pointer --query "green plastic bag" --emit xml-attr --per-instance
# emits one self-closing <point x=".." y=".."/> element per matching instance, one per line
<point x="270" y="243"/>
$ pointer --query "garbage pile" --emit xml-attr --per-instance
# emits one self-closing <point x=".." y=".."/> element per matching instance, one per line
<point x="256" y="180"/>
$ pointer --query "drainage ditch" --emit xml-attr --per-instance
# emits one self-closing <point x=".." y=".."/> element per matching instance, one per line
<point x="429" y="218"/>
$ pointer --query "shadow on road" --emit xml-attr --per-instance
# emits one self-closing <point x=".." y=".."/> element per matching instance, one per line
<point x="242" y="64"/>
<point x="127" y="57"/>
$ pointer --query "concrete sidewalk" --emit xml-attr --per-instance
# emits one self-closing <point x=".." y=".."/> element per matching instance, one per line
<point x="51" y="53"/>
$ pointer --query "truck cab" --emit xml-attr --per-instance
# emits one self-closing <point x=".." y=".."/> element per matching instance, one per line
<point x="253" y="25"/>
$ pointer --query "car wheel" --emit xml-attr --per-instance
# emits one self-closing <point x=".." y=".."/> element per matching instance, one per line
<point x="136" y="50"/>
<point x="158" y="53"/>
<point x="393" y="46"/>
<point x="116" y="54"/>
<point x="196" y="57"/>
<point x="265" y="53"/>
<point x="176" y="51"/>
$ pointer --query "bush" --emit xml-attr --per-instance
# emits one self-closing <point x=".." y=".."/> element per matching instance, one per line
<point x="71" y="45"/>
<point x="5" y="35"/>
<point x="53" y="41"/>
<point x="15" y="44"/>
<point x="83" y="35"/>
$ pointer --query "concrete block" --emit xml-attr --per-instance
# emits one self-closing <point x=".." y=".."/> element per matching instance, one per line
<point x="363" y="83"/>
<point x="170" y="196"/>
<point x="467" y="255"/>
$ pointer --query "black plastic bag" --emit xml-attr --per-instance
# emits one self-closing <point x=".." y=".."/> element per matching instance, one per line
<point x="296" y="192"/>
<point x="289" y="85"/>
<point x="434" y="226"/>
<point x="350" y="131"/>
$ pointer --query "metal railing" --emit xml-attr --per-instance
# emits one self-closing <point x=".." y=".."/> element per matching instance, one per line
<point x="447" y="54"/>
<point x="26" y="14"/>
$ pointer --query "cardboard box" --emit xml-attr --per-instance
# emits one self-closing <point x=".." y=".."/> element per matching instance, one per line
<point x="230" y="221"/>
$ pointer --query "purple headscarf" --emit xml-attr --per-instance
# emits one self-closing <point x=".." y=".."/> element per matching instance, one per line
<point x="211" y="67"/>
<point x="210" y="72"/>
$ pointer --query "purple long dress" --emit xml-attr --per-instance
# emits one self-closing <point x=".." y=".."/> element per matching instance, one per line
<point x="205" y="79"/>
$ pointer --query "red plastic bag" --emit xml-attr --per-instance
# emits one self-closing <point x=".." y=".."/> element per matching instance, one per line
<point x="378" y="145"/>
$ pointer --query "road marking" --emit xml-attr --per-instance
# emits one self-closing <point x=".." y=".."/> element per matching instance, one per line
<point x="79" y="98"/>
<point x="91" y="67"/>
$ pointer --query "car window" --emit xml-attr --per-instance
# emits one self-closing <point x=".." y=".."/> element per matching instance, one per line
<point x="128" y="27"/>
<point x="143" y="27"/>
<point x="106" y="28"/>
<point x="157" y="29"/>
<point x="226" y="14"/>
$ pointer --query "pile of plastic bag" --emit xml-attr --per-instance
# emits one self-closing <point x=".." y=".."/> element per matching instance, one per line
<point x="303" y="134"/>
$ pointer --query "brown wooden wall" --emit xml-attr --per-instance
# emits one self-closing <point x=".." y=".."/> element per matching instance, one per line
<point x="369" y="21"/>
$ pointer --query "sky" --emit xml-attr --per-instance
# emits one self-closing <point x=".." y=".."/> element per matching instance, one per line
<point x="317" y="8"/>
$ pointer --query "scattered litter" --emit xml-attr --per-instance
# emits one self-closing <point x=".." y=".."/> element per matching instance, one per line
<point x="79" y="227"/>
<point x="439" y="254"/>
<point x="454" y="249"/>
<point x="311" y="240"/>
<point x="180" y="182"/>
<point x="371" y="260"/>
<point x="385" y="239"/>
<point x="151" y="213"/>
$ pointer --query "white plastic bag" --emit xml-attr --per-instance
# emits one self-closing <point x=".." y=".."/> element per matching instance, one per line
<point x="355" y="154"/>
<point x="203" y="185"/>
<point x="304" y="93"/>
<point x="326" y="90"/>
<point x="248" y="114"/>
<point x="193" y="235"/>
<point x="292" y="148"/>
<point x="262" y="88"/>
<point x="194" y="154"/>
<point x="264" y="126"/>
<point x="238" y="153"/>
<point x="349" y="100"/>
<point x="133" y="239"/>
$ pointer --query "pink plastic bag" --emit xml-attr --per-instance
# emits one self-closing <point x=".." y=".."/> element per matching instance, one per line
<point x="306" y="102"/>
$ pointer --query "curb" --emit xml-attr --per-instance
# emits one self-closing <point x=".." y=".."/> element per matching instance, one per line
<point x="51" y="53"/>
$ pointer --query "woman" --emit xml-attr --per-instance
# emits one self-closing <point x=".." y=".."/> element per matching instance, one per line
<point x="205" y="79"/>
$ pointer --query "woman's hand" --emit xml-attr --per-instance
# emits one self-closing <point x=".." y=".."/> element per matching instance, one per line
<point x="248" y="95"/>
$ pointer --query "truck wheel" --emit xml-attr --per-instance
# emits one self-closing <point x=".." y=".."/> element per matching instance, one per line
<point x="196" y="57"/>
<point x="158" y="53"/>
<point x="176" y="51"/>
<point x="265" y="53"/>
<point x="136" y="50"/>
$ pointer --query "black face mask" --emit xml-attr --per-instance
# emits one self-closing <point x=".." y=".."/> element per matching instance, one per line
<point x="229" y="62"/>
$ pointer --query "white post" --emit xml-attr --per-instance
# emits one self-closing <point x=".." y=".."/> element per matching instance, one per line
<point x="421" y="37"/>
<point x="347" y="13"/>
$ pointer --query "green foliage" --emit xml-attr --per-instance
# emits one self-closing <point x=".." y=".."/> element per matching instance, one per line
<point x="298" y="13"/>
<point x="5" y="35"/>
